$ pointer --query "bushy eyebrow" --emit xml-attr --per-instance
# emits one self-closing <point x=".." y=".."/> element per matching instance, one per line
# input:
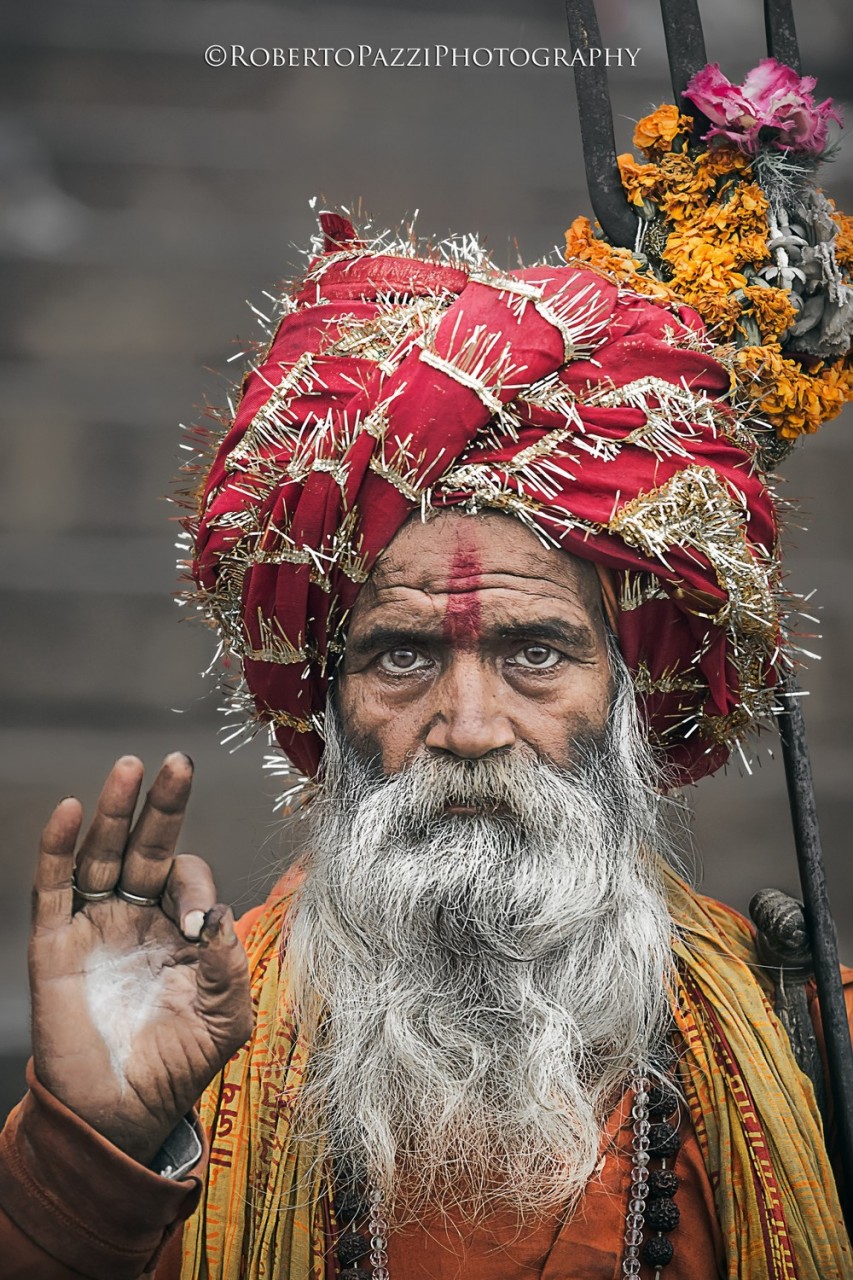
<point x="571" y="635"/>
<point x="378" y="638"/>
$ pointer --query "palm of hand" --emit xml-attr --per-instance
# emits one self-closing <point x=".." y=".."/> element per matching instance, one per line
<point x="131" y="1018"/>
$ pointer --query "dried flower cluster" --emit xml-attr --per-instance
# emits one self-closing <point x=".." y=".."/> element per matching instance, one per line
<point x="774" y="107"/>
<point x="774" y="291"/>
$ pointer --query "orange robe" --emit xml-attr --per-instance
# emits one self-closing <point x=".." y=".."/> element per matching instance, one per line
<point x="588" y="1247"/>
<point x="72" y="1205"/>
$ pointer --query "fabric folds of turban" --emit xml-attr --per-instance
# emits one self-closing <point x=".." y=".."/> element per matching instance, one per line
<point x="401" y="380"/>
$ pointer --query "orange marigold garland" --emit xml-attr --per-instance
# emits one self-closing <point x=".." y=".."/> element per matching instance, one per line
<point x="738" y="231"/>
<point x="789" y="397"/>
<point x="584" y="245"/>
<point x="844" y="241"/>
<point x="661" y="131"/>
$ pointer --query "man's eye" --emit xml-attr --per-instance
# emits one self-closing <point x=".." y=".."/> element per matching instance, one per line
<point x="536" y="657"/>
<point x="402" y="659"/>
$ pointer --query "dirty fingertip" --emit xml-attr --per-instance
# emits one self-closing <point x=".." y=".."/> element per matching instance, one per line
<point x="212" y="923"/>
<point x="176" y="758"/>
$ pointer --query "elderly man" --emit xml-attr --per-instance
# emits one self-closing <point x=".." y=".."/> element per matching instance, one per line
<point x="497" y="560"/>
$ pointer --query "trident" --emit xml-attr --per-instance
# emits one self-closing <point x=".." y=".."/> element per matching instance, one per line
<point x="793" y="940"/>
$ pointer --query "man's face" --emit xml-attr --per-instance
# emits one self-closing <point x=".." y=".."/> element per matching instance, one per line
<point x="469" y="637"/>
<point x="480" y="951"/>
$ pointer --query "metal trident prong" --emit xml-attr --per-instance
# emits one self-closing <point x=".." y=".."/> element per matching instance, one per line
<point x="781" y="33"/>
<point x="595" y="113"/>
<point x="685" y="44"/>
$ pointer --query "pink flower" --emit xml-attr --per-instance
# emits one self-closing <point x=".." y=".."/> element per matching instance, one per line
<point x="772" y="98"/>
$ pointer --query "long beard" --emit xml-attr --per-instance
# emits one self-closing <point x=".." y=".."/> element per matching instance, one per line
<point x="475" y="990"/>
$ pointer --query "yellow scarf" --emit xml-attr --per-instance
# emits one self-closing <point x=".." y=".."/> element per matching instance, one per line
<point x="263" y="1211"/>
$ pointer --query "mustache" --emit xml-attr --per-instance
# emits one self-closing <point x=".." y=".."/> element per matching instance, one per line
<point x="489" y="784"/>
<point x="494" y="788"/>
<point x="498" y="785"/>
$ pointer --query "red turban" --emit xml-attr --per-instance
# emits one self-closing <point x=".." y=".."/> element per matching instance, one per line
<point x="597" y="417"/>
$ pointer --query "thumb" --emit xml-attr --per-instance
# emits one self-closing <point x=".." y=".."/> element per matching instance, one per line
<point x="223" y="997"/>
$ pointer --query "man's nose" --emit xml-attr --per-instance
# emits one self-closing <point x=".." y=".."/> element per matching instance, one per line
<point x="470" y="719"/>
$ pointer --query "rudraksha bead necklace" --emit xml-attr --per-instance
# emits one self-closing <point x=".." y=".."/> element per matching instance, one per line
<point x="652" y="1211"/>
<point x="362" y="1232"/>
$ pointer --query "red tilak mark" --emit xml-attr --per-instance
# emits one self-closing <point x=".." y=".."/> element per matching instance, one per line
<point x="462" y="616"/>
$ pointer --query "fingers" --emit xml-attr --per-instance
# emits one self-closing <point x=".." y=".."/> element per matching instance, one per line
<point x="189" y="894"/>
<point x="111" y="853"/>
<point x="52" y="893"/>
<point x="99" y="859"/>
<point x="223" y="979"/>
<point x="151" y="846"/>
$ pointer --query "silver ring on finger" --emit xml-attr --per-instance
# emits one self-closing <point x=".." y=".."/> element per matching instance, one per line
<point x="136" y="899"/>
<point x="100" y="896"/>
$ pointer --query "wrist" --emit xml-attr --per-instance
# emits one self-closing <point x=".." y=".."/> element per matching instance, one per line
<point x="139" y="1137"/>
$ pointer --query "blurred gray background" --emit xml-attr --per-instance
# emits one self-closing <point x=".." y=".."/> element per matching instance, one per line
<point x="144" y="196"/>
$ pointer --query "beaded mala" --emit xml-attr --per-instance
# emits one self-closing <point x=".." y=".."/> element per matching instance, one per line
<point x="652" y="1212"/>
<point x="357" y="1247"/>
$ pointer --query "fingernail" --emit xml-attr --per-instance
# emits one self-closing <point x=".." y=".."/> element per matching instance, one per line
<point x="212" y="923"/>
<point x="192" y="925"/>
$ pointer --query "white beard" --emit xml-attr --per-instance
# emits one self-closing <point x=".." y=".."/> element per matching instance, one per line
<point x="476" y="990"/>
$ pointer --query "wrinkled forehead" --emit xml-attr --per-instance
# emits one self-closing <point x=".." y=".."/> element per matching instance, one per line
<point x="495" y="555"/>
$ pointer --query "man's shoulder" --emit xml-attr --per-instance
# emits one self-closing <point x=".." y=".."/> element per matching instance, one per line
<point x="742" y="937"/>
<point x="712" y="929"/>
<point x="701" y="918"/>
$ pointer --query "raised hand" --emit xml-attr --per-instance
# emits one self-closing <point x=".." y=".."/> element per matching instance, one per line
<point x="136" y="1004"/>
